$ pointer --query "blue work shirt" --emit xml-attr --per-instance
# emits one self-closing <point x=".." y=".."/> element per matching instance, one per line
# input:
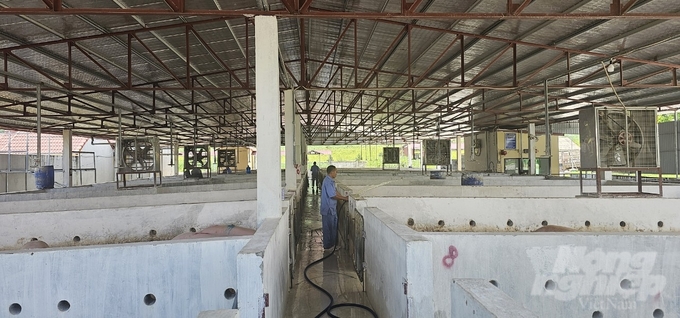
<point x="328" y="204"/>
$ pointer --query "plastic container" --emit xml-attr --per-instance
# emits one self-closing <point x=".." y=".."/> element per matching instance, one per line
<point x="44" y="177"/>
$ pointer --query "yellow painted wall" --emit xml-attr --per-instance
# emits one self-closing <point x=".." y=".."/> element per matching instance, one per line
<point x="493" y="143"/>
<point x="540" y="147"/>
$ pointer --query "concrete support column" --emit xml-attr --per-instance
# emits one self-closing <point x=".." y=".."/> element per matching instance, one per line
<point x="459" y="152"/>
<point x="67" y="157"/>
<point x="303" y="149"/>
<point x="289" y="108"/>
<point x="532" y="149"/>
<point x="409" y="155"/>
<point x="175" y="154"/>
<point x="268" y="118"/>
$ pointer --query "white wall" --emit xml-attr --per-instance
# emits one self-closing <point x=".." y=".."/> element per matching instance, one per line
<point x="263" y="269"/>
<point x="105" y="161"/>
<point x="492" y="214"/>
<point x="118" y="225"/>
<point x="522" y="263"/>
<point x="186" y="277"/>
<point x="398" y="281"/>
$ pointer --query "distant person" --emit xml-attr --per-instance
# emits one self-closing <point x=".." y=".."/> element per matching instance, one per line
<point x="315" y="178"/>
<point x="329" y="202"/>
<point x="248" y="169"/>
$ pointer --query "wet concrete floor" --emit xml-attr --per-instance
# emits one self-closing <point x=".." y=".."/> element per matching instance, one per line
<point x="335" y="274"/>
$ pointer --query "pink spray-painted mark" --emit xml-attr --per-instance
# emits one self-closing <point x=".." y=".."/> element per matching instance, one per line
<point x="449" y="259"/>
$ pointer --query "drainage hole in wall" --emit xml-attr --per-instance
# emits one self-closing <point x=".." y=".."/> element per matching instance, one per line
<point x="658" y="313"/>
<point x="441" y="223"/>
<point x="510" y="223"/>
<point x="152" y="233"/>
<point x="473" y="223"/>
<point x="230" y="293"/>
<point x="149" y="299"/>
<point x="410" y="222"/>
<point x="622" y="224"/>
<point x="544" y="223"/>
<point x="550" y="285"/>
<point x="597" y="314"/>
<point x="14" y="309"/>
<point x="587" y="223"/>
<point x="76" y="238"/>
<point x="193" y="229"/>
<point x="626" y="284"/>
<point x="493" y="282"/>
<point x="63" y="305"/>
<point x="659" y="224"/>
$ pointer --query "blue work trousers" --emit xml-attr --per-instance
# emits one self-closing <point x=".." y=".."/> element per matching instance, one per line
<point x="330" y="230"/>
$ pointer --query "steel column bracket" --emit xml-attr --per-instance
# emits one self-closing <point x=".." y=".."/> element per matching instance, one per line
<point x="54" y="5"/>
<point x="176" y="5"/>
<point x="409" y="7"/>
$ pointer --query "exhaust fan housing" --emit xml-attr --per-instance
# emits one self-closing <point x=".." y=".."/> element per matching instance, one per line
<point x="138" y="154"/>
<point x="614" y="137"/>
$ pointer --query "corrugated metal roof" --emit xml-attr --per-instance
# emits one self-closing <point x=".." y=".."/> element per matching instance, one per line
<point x="494" y="65"/>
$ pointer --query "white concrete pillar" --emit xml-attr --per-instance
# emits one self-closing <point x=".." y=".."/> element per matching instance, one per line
<point x="459" y="152"/>
<point x="409" y="155"/>
<point x="175" y="160"/>
<point x="268" y="118"/>
<point x="532" y="149"/>
<point x="67" y="157"/>
<point x="289" y="108"/>
<point x="303" y="149"/>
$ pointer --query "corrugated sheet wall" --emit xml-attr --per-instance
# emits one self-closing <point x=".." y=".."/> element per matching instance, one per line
<point x="668" y="147"/>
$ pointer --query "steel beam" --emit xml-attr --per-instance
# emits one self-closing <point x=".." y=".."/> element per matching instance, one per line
<point x="307" y="12"/>
<point x="176" y="5"/>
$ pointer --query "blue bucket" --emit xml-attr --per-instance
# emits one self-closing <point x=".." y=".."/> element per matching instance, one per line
<point x="470" y="179"/>
<point x="44" y="177"/>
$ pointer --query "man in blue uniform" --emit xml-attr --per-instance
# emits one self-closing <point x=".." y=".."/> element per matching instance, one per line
<point x="315" y="178"/>
<point x="329" y="215"/>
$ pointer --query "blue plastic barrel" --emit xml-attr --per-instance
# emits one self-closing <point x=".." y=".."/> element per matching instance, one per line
<point x="44" y="177"/>
<point x="470" y="179"/>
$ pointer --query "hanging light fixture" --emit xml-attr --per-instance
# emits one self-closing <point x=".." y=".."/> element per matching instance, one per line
<point x="611" y="67"/>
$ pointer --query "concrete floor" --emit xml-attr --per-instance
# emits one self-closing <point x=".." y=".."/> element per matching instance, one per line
<point x="335" y="274"/>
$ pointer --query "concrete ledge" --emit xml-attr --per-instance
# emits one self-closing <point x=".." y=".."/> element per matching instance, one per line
<point x="226" y="313"/>
<point x="132" y="201"/>
<point x="479" y="298"/>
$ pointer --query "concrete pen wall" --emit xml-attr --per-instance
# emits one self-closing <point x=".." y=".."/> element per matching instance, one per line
<point x="398" y="273"/>
<point x="159" y="279"/>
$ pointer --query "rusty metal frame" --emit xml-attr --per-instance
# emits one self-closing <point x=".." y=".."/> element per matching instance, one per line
<point x="382" y="108"/>
<point x="306" y="11"/>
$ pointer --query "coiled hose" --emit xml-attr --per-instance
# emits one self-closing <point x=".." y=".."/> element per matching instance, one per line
<point x="330" y="306"/>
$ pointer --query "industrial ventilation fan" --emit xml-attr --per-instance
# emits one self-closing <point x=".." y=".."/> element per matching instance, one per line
<point x="614" y="137"/>
<point x="138" y="154"/>
<point x="226" y="158"/>
<point x="196" y="157"/>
